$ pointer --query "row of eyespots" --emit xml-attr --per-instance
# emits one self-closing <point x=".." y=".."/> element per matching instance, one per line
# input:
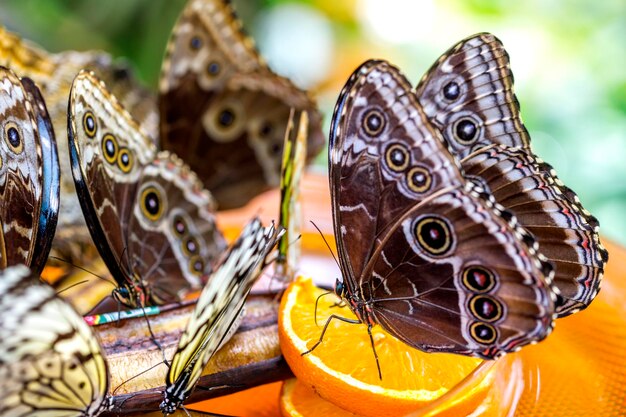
<point x="465" y="130"/>
<point x="189" y="244"/>
<point x="213" y="69"/>
<point x="397" y="159"/>
<point x="112" y="152"/>
<point x="485" y="308"/>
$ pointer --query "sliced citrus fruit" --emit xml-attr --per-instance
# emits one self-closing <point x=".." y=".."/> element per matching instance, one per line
<point x="299" y="400"/>
<point x="342" y="369"/>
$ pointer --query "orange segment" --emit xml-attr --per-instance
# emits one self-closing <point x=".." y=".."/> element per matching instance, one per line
<point x="299" y="400"/>
<point x="343" y="371"/>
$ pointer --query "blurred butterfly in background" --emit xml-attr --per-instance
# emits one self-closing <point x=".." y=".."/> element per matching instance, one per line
<point x="223" y="111"/>
<point x="426" y="254"/>
<point x="215" y="317"/>
<point x="29" y="174"/>
<point x="147" y="212"/>
<point x="292" y="169"/>
<point x="53" y="74"/>
<point x="468" y="95"/>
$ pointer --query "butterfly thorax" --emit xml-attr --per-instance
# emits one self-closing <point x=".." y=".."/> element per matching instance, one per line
<point x="130" y="295"/>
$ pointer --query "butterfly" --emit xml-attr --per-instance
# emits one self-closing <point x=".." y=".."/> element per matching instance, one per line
<point x="222" y="109"/>
<point x="29" y="174"/>
<point x="468" y="95"/>
<point x="423" y="252"/>
<point x="147" y="212"/>
<point x="292" y="168"/>
<point x="50" y="360"/>
<point x="53" y="74"/>
<point x="214" y="319"/>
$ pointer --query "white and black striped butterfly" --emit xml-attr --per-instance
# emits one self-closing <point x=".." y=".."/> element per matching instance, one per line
<point x="29" y="174"/>
<point x="468" y="95"/>
<point x="215" y="318"/>
<point x="148" y="214"/>
<point x="51" y="362"/>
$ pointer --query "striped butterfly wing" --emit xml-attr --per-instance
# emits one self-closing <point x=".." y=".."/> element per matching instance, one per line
<point x="29" y="174"/>
<point x="148" y="214"/>
<point x="220" y="305"/>
<point x="468" y="94"/>
<point x="222" y="109"/>
<point x="292" y="169"/>
<point x="50" y="361"/>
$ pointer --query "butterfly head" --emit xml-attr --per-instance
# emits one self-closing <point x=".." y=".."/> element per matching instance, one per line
<point x="340" y="288"/>
<point x="129" y="295"/>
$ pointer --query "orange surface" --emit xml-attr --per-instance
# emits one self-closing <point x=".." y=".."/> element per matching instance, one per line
<point x="579" y="370"/>
<point x="410" y="378"/>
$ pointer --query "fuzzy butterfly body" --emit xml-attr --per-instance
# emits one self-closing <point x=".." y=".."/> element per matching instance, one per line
<point x="148" y="214"/>
<point x="423" y="252"/>
<point x="219" y="306"/>
<point x="222" y="109"/>
<point x="50" y="360"/>
<point x="29" y="174"/>
<point x="468" y="95"/>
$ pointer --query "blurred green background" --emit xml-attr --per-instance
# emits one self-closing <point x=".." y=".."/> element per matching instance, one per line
<point x="569" y="60"/>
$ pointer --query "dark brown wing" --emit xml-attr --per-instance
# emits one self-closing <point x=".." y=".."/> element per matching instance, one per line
<point x="474" y="287"/>
<point x="567" y="233"/>
<point x="468" y="95"/>
<point x="173" y="241"/>
<point x="148" y="214"/>
<point x="222" y="109"/>
<point x="21" y="175"/>
<point x="384" y="157"/>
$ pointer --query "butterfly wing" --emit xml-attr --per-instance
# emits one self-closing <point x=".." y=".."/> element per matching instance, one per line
<point x="173" y="240"/>
<point x="293" y="164"/>
<point x="218" y="307"/>
<point x="371" y="182"/>
<point x="50" y="359"/>
<point x="566" y="232"/>
<point x="468" y="95"/>
<point x="147" y="213"/>
<point x="29" y="209"/>
<point x="435" y="262"/>
<point x="222" y="109"/>
<point x="472" y="85"/>
<point x="49" y="208"/>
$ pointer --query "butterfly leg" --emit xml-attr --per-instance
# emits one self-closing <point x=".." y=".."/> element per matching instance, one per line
<point x="332" y="316"/>
<point x="369" y="331"/>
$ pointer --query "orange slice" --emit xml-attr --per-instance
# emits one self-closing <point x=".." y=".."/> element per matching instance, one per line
<point x="342" y="369"/>
<point x="299" y="400"/>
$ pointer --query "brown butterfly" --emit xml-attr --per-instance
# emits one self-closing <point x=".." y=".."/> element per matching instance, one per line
<point x="148" y="214"/>
<point x="54" y="74"/>
<point x="222" y="109"/>
<point x="468" y="95"/>
<point x="423" y="252"/>
<point x="29" y="174"/>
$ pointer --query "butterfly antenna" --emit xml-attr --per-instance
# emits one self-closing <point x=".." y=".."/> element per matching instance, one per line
<point x="327" y="245"/>
<point x="72" y="286"/>
<point x="56" y="258"/>
<point x="136" y="376"/>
